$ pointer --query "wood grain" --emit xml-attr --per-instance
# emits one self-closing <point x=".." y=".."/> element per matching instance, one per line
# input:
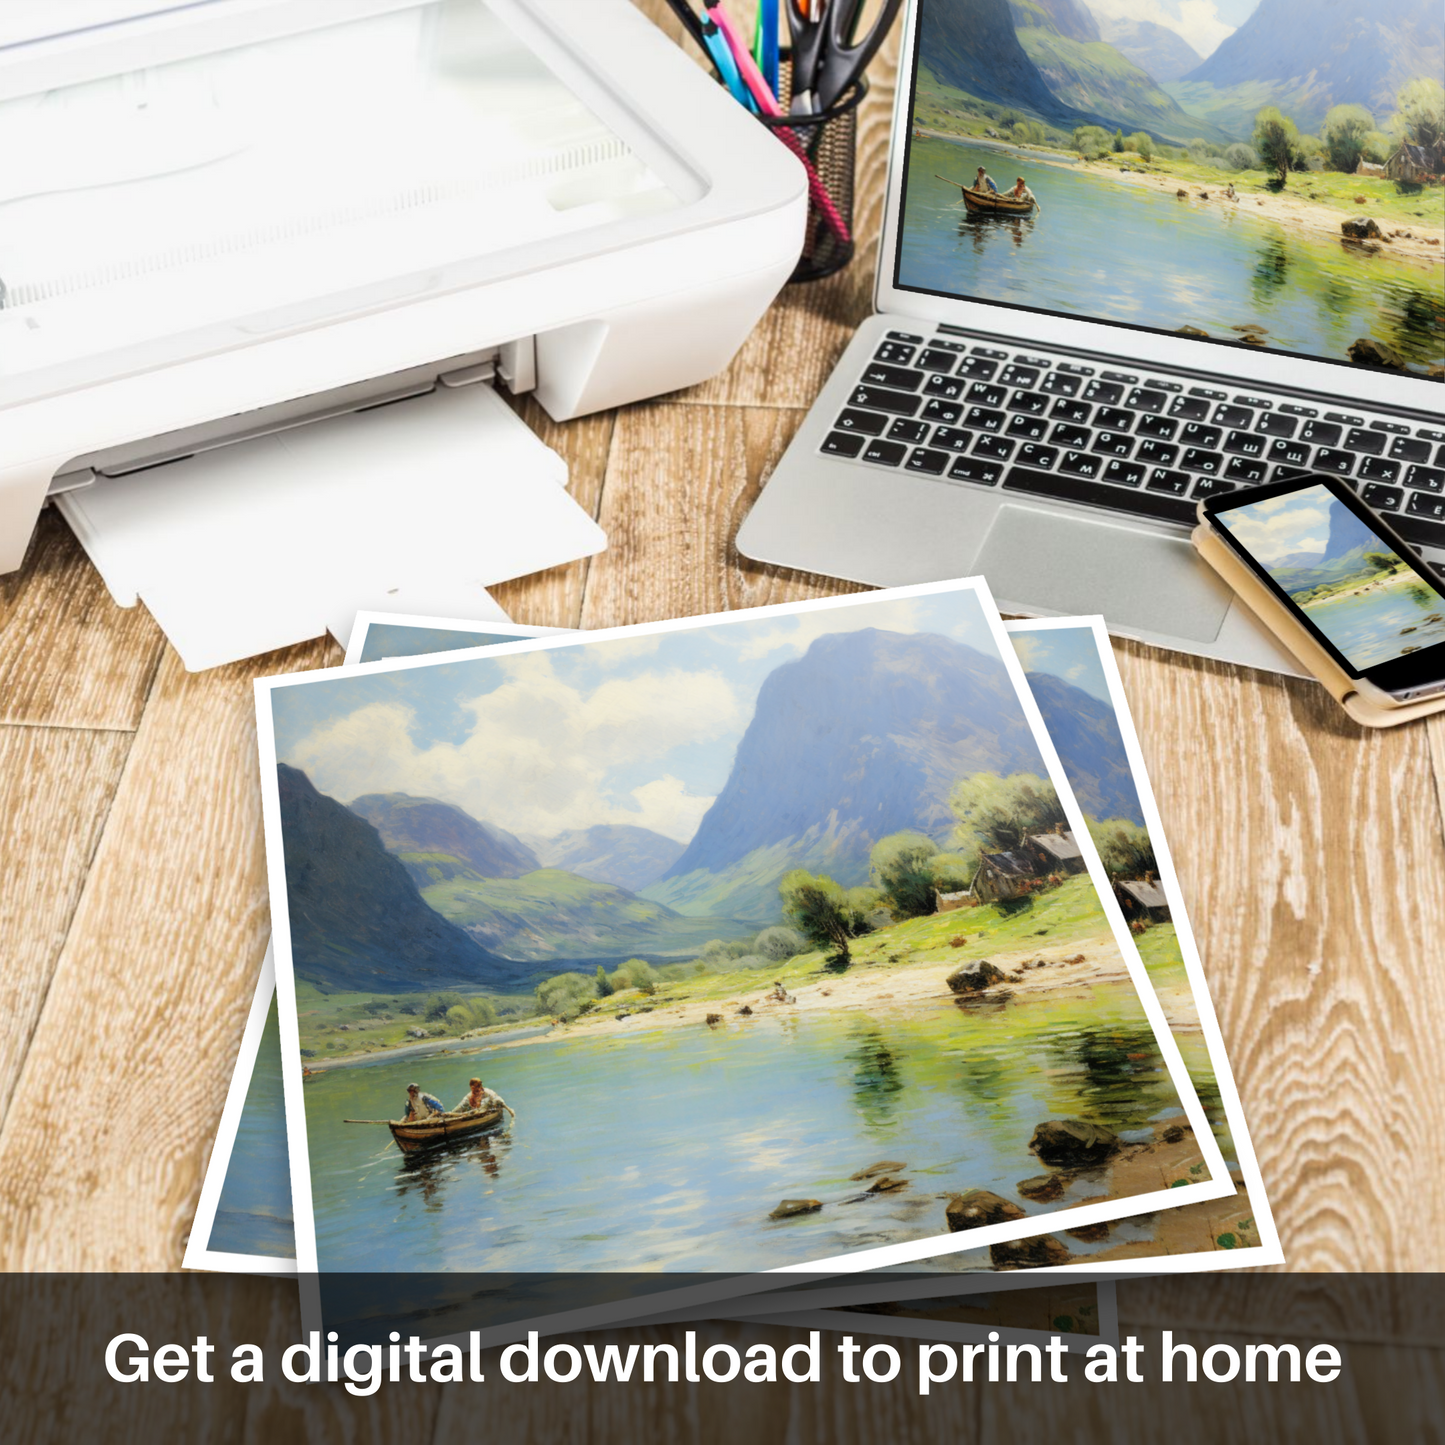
<point x="56" y="786"/>
<point x="72" y="657"/>
<point x="150" y="991"/>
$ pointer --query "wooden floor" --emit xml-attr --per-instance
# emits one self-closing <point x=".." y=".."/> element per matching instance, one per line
<point x="133" y="904"/>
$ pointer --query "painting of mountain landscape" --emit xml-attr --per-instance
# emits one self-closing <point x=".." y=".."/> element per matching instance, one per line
<point x="797" y="896"/>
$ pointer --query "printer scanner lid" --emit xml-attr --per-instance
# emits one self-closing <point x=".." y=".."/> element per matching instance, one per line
<point x="185" y="179"/>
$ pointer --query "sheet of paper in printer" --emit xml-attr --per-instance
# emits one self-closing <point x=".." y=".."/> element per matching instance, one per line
<point x="417" y="507"/>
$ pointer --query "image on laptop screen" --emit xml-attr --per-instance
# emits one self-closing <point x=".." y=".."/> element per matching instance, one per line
<point x="1263" y="172"/>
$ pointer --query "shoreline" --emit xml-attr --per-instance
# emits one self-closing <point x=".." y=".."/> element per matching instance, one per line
<point x="1283" y="207"/>
<point x="1383" y="585"/>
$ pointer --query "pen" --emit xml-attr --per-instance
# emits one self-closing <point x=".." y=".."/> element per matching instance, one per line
<point x="765" y="42"/>
<point x="724" y="56"/>
<point x="690" y="22"/>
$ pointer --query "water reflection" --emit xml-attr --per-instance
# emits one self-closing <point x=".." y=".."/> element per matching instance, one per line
<point x="981" y="230"/>
<point x="876" y="1076"/>
<point x="429" y="1173"/>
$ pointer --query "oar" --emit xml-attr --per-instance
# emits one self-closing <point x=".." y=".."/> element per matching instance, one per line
<point x="368" y="1121"/>
<point x="948" y="182"/>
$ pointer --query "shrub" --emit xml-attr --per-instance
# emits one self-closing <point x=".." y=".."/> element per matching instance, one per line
<point x="952" y="872"/>
<point x="635" y="973"/>
<point x="564" y="994"/>
<point x="1142" y="143"/>
<point x="900" y="865"/>
<point x="438" y="1004"/>
<point x="1346" y="129"/>
<point x="1240" y="157"/>
<point x="780" y="942"/>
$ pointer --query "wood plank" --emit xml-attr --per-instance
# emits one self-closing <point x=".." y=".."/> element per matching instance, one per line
<point x="554" y="598"/>
<point x="151" y="989"/>
<point x="70" y="657"/>
<point x="56" y="786"/>
<point x="680" y="481"/>
<point x="1315" y="880"/>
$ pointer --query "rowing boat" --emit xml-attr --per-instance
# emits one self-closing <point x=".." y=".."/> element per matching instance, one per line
<point x="414" y="1134"/>
<point x="989" y="203"/>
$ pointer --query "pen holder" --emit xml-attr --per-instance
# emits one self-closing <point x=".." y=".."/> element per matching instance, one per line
<point x="827" y="142"/>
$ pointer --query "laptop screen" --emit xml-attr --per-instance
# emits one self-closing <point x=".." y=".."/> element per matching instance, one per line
<point x="1265" y="173"/>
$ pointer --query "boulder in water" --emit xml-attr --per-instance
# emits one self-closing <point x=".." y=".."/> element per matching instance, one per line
<point x="1369" y="352"/>
<point x="1044" y="1188"/>
<point x="790" y="1208"/>
<point x="888" y="1184"/>
<point x="1073" y="1143"/>
<point x="975" y="977"/>
<point x="884" y="1166"/>
<point x="977" y="1208"/>
<point x="1029" y="1253"/>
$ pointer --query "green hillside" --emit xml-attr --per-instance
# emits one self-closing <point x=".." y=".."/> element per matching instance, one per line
<point x="1338" y="569"/>
<point x="552" y="914"/>
<point x="428" y="868"/>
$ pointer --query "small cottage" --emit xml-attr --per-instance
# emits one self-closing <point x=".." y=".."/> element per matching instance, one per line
<point x="951" y="902"/>
<point x="1414" y="163"/>
<point x="1004" y="875"/>
<point x="1056" y="853"/>
<point x="1142" y="900"/>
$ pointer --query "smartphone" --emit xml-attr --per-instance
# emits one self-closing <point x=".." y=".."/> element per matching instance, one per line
<point x="1361" y="591"/>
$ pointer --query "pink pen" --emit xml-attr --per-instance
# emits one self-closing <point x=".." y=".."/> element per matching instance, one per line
<point x="768" y="105"/>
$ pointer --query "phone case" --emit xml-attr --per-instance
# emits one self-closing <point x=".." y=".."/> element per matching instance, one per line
<point x="1296" y="638"/>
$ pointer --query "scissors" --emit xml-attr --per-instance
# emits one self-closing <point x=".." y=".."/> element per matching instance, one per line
<point x="827" y="55"/>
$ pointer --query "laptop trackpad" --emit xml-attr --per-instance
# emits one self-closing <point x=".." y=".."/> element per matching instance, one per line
<point x="1073" y="565"/>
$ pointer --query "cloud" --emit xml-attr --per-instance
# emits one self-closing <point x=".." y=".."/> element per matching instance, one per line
<point x="1198" y="21"/>
<point x="798" y="632"/>
<point x="1280" y="530"/>
<point x="1032" y="651"/>
<point x="540" y="754"/>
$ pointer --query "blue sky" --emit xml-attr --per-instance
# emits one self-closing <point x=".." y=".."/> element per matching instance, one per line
<point x="635" y="730"/>
<point x="1279" y="526"/>
<point x="1067" y="652"/>
<point x="1205" y="24"/>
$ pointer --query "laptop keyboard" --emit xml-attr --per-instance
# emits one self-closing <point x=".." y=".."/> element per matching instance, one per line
<point x="1143" y="445"/>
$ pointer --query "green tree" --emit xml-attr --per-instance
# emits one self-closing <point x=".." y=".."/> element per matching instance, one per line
<point x="1118" y="142"/>
<point x="1346" y="129"/>
<point x="820" y="910"/>
<point x="1381" y="561"/>
<point x="1124" y="847"/>
<point x="603" y="983"/>
<point x="564" y="995"/>
<point x="900" y="864"/>
<point x="438" y="1005"/>
<point x="635" y="973"/>
<point x="953" y="872"/>
<point x="1276" y="138"/>
<point x="780" y="942"/>
<point x="999" y="812"/>
<point x="1420" y="119"/>
<point x="1091" y="141"/>
<point x="1142" y="143"/>
<point x="1240" y="157"/>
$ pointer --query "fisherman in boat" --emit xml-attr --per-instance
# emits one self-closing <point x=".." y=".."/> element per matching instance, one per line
<point x="478" y="1098"/>
<point x="984" y="182"/>
<point x="420" y="1106"/>
<point x="1021" y="192"/>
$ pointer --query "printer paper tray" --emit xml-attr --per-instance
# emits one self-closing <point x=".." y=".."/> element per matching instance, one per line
<point x="417" y="506"/>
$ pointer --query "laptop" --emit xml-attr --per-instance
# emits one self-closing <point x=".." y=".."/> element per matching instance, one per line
<point x="1052" y="382"/>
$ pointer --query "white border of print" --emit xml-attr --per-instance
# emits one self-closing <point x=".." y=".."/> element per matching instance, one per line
<point x="502" y="627"/>
<point x="199" y="1254"/>
<point x="1216" y="1186"/>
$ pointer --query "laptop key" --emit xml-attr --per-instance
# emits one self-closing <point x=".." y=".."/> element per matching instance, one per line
<point x="1161" y="479"/>
<point x="1113" y="418"/>
<point x="955" y="439"/>
<point x="932" y="359"/>
<point x="1035" y="403"/>
<point x="948" y="387"/>
<point x="1124" y="474"/>
<point x="1107" y="392"/>
<point x="1060" y="383"/>
<point x="1372" y="443"/>
<point x="1382" y="499"/>
<point x="1379" y="469"/>
<point x="1322" y="433"/>
<point x="924" y="459"/>
<point x="1245" y="444"/>
<point x="905" y="336"/>
<point x="1162" y="427"/>
<point x="984" y="395"/>
<point x="1071" y="487"/>
<point x="972" y="469"/>
<point x="1332" y="459"/>
<point x="1070" y="436"/>
<point x="867" y="422"/>
<point x="886" y="454"/>
<point x="1272" y="424"/>
<point x="977" y="368"/>
<point x="905" y="429"/>
<point x="1246" y="469"/>
<point x="877" y="398"/>
<point x="1407" y="449"/>
<point x="1032" y="428"/>
<point x="1290" y="454"/>
<point x="877" y="374"/>
<point x="945" y="411"/>
<point x="981" y="419"/>
<point x="1196" y="459"/>
<point x="1016" y="375"/>
<point x="1081" y="464"/>
<point x="1211" y="487"/>
<point x="1233" y="416"/>
<point x="1195" y="435"/>
<point x="1419" y="531"/>
<point x="1143" y="399"/>
<point x="1035" y="456"/>
<point x="1156" y="454"/>
<point x="996" y="447"/>
<point x="1189" y="408"/>
<point x="1425" y="479"/>
<point x="1075" y="411"/>
<point x="1112" y="444"/>
<point x="895" y="353"/>
<point x="843" y="444"/>
<point x="1425" y="504"/>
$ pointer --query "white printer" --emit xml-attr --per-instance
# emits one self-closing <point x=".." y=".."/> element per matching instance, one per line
<point x="233" y="231"/>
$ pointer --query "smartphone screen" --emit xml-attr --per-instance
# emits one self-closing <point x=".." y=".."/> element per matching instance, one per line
<point x="1359" y="588"/>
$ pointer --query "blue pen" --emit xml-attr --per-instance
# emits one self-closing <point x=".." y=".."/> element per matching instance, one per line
<point x="727" y="67"/>
<point x="768" y="30"/>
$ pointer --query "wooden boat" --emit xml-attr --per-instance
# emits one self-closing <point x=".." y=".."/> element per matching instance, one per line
<point x="412" y="1136"/>
<point x="987" y="203"/>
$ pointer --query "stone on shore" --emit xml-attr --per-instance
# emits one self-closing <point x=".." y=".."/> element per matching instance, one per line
<point x="1361" y="228"/>
<point x="1074" y="1144"/>
<point x="1044" y="1188"/>
<point x="790" y="1208"/>
<point x="977" y="1208"/>
<point x="888" y="1184"/>
<point x="1369" y="352"/>
<point x="975" y="977"/>
<point x="1029" y="1253"/>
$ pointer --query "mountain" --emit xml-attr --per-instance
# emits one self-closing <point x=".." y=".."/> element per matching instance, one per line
<point x="1162" y="52"/>
<point x="1299" y="559"/>
<point x="1308" y="55"/>
<point x="971" y="45"/>
<point x="424" y="825"/>
<point x="619" y="853"/>
<point x="1344" y="555"/>
<point x="357" y="920"/>
<point x="1089" y="75"/>
<point x="1091" y="748"/>
<point x="862" y="736"/>
<point x="555" y="915"/>
<point x="1347" y="533"/>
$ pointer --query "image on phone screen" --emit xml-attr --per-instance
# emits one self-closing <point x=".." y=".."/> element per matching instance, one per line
<point x="1369" y="603"/>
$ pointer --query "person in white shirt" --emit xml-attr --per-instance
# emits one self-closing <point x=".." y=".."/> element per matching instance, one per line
<point x="479" y="1097"/>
